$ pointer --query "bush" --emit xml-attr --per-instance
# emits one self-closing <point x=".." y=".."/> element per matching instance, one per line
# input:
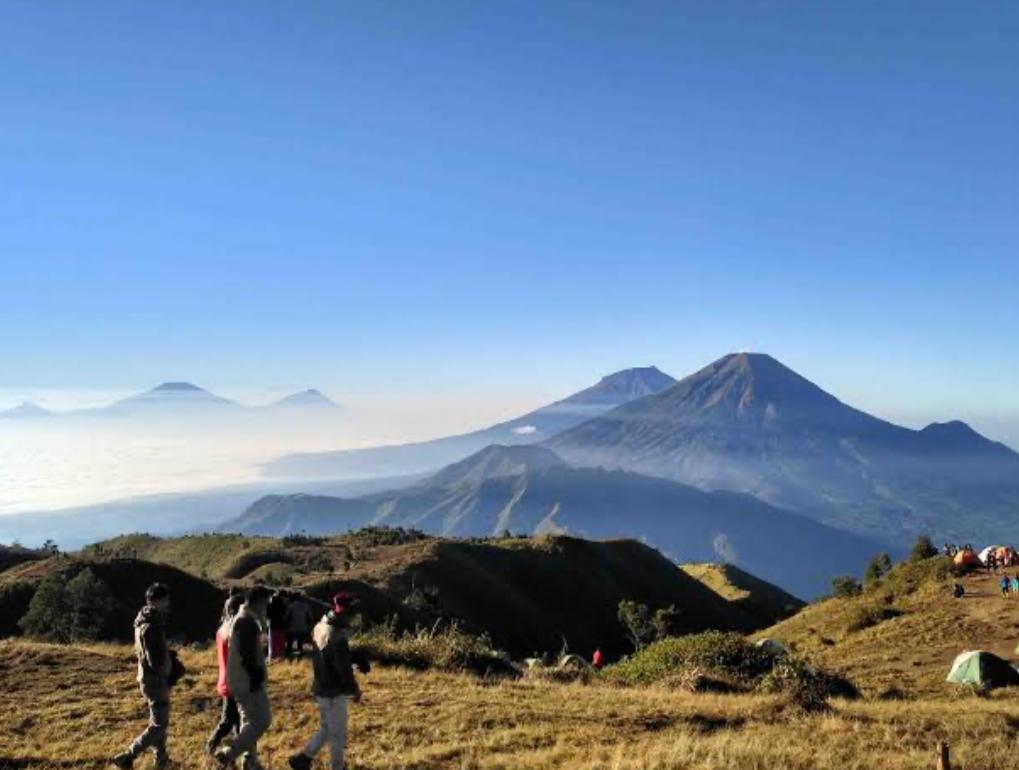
<point x="728" y="655"/>
<point x="923" y="549"/>
<point x="845" y="587"/>
<point x="878" y="567"/>
<point x="61" y="611"/>
<point x="869" y="615"/>
<point x="446" y="648"/>
<point x="805" y="686"/>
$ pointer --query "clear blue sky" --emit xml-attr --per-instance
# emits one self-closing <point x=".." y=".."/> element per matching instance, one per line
<point x="511" y="195"/>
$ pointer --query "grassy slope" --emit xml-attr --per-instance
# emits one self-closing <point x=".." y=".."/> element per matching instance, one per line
<point x="762" y="602"/>
<point x="911" y="652"/>
<point x="74" y="707"/>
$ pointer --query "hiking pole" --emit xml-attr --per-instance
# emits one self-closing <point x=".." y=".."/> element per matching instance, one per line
<point x="944" y="761"/>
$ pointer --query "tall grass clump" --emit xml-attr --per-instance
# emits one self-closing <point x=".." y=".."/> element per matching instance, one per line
<point x="442" y="647"/>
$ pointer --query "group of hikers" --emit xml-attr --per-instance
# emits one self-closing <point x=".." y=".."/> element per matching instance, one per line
<point x="246" y="713"/>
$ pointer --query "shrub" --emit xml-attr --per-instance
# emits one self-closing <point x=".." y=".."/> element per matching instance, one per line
<point x="805" y="686"/>
<point x="923" y="549"/>
<point x="845" y="586"/>
<point x="878" y="567"/>
<point x="717" y="653"/>
<point x="869" y="615"/>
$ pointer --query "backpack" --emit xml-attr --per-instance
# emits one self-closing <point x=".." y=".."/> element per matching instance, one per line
<point x="177" y="669"/>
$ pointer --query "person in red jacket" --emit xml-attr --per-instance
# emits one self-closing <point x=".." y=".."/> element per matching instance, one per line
<point x="598" y="659"/>
<point x="230" y="718"/>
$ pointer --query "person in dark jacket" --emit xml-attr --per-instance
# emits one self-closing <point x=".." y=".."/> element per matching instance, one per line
<point x="334" y="685"/>
<point x="277" y="616"/>
<point x="230" y="717"/>
<point x="154" y="666"/>
<point x="245" y="678"/>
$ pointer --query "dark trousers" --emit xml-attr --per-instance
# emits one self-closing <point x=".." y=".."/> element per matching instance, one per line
<point x="229" y="722"/>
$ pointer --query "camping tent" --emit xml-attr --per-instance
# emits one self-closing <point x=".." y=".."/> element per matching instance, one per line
<point x="982" y="669"/>
<point x="985" y="554"/>
<point x="967" y="558"/>
<point x="773" y="646"/>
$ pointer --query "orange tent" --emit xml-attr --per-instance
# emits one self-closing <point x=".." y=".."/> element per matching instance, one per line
<point x="1004" y="555"/>
<point x="967" y="558"/>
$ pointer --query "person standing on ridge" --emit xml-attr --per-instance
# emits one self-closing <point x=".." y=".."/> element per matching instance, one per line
<point x="155" y="665"/>
<point x="230" y="718"/>
<point x="334" y="685"/>
<point x="300" y="619"/>
<point x="245" y="678"/>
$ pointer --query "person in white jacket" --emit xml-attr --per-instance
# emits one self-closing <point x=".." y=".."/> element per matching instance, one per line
<point x="245" y="677"/>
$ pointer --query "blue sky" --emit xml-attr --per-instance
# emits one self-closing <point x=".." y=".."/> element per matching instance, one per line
<point x="511" y="197"/>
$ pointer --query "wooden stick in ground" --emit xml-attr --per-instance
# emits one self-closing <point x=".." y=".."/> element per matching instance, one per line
<point x="944" y="761"/>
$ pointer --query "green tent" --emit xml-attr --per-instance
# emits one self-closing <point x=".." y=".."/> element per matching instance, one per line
<point x="983" y="670"/>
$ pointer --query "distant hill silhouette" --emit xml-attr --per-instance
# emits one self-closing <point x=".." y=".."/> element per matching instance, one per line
<point x="24" y="410"/>
<point x="530" y="490"/>
<point x="611" y="391"/>
<point x="747" y="423"/>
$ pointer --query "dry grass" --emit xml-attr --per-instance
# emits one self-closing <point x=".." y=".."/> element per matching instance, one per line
<point x="74" y="707"/>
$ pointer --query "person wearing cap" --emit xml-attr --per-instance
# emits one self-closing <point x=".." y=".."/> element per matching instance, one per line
<point x="245" y="679"/>
<point x="154" y="667"/>
<point x="334" y="684"/>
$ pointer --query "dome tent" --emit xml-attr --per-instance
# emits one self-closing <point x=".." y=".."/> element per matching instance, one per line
<point x="985" y="554"/>
<point x="967" y="557"/>
<point x="982" y="669"/>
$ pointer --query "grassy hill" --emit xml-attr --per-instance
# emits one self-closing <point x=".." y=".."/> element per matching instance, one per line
<point x="902" y="633"/>
<point x="53" y="696"/>
<point x="527" y="594"/>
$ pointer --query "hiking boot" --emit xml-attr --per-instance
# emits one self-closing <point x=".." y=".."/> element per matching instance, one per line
<point x="300" y="762"/>
<point x="223" y="758"/>
<point x="124" y="761"/>
<point x="163" y="762"/>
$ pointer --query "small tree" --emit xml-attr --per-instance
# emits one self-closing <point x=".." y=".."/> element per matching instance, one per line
<point x="49" y="615"/>
<point x="923" y="549"/>
<point x="636" y="619"/>
<point x="877" y="568"/>
<point x="665" y="621"/>
<point x="90" y="603"/>
<point x="845" y="586"/>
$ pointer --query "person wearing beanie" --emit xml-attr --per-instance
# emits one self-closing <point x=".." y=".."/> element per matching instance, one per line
<point x="334" y="685"/>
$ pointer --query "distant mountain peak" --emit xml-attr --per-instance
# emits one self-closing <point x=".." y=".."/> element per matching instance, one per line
<point x="178" y="387"/>
<point x="311" y="397"/>
<point x="621" y="387"/>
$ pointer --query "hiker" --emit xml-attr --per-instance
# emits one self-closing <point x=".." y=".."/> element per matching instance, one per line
<point x="155" y="666"/>
<point x="300" y="619"/>
<point x="230" y="718"/>
<point x="598" y="659"/>
<point x="1005" y="585"/>
<point x="1015" y="585"/>
<point x="334" y="685"/>
<point x="277" y="616"/>
<point x="245" y="678"/>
